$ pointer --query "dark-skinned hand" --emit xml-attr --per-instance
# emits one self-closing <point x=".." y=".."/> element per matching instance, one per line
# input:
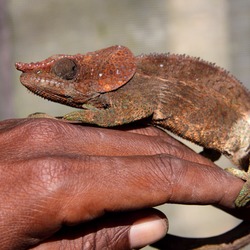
<point x="66" y="186"/>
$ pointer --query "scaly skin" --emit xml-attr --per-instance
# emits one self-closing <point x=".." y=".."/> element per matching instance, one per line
<point x="194" y="99"/>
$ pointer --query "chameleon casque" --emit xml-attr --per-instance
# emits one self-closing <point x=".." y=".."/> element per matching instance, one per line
<point x="188" y="96"/>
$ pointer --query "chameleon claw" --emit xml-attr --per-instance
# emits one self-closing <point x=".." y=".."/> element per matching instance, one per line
<point x="244" y="195"/>
<point x="73" y="116"/>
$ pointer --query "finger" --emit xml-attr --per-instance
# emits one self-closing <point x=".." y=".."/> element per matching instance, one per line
<point x="52" y="137"/>
<point x="117" y="231"/>
<point x="87" y="196"/>
<point x="137" y="182"/>
<point x="88" y="187"/>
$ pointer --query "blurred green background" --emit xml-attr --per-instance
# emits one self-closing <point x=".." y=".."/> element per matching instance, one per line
<point x="215" y="30"/>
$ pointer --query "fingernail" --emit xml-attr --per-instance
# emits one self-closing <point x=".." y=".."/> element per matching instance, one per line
<point x="147" y="231"/>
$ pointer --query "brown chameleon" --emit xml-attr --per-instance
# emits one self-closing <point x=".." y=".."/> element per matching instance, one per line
<point x="188" y="96"/>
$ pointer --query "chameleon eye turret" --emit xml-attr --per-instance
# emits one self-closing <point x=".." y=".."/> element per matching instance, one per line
<point x="65" y="68"/>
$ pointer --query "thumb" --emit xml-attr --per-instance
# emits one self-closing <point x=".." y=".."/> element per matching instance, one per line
<point x="113" y="231"/>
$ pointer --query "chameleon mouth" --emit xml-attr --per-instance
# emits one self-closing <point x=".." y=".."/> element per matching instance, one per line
<point x="35" y="82"/>
<point x="49" y="89"/>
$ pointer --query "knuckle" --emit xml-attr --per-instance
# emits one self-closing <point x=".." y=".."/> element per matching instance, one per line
<point x="44" y="129"/>
<point x="32" y="131"/>
<point x="49" y="172"/>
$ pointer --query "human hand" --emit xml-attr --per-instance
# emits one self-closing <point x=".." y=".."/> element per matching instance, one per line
<point x="71" y="186"/>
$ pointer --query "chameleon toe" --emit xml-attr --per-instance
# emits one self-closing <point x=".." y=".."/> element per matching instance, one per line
<point x="244" y="195"/>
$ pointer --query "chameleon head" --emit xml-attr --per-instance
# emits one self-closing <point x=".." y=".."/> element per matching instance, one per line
<point x="74" y="79"/>
<point x="52" y="78"/>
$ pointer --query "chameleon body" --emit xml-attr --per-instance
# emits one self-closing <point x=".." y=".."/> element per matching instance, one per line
<point x="188" y="96"/>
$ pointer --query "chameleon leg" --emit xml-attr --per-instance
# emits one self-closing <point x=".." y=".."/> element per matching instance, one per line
<point x="101" y="117"/>
<point x="85" y="116"/>
<point x="244" y="195"/>
<point x="115" y="115"/>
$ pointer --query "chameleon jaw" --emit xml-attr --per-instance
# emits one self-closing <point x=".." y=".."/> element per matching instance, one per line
<point x="51" y="89"/>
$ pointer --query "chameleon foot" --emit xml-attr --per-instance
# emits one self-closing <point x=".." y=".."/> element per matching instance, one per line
<point x="86" y="115"/>
<point x="75" y="116"/>
<point x="244" y="195"/>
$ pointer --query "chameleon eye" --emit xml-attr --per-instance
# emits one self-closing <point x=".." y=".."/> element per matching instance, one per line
<point x="65" y="68"/>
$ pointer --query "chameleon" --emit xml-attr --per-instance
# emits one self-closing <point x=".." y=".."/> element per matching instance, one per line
<point x="188" y="96"/>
